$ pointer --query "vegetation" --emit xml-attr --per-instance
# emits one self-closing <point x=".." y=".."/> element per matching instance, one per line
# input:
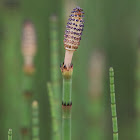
<point x="112" y="27"/>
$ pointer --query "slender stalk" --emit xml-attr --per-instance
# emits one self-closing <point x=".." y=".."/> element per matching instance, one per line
<point x="28" y="48"/>
<point x="66" y="103"/>
<point x="27" y="91"/>
<point x="113" y="105"/>
<point x="72" y="39"/>
<point x="53" y="111"/>
<point x="35" y="121"/>
<point x="10" y="134"/>
<point x="55" y="77"/>
<point x="54" y="49"/>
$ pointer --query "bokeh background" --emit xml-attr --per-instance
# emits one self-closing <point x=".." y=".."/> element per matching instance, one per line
<point x="110" y="38"/>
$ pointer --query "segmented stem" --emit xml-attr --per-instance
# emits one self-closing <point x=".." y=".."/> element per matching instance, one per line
<point x="55" y="73"/>
<point x="10" y="134"/>
<point x="26" y="106"/>
<point x="66" y="104"/>
<point x="113" y="104"/>
<point x="55" y="78"/>
<point x="53" y="112"/>
<point x="35" y="121"/>
<point x="28" y="48"/>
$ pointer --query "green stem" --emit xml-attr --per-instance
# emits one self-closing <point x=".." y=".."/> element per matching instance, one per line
<point x="26" y="106"/>
<point x="35" y="121"/>
<point x="55" y="78"/>
<point x="66" y="105"/>
<point x="66" y="123"/>
<point x="54" y="49"/>
<point x="10" y="134"/>
<point x="28" y="79"/>
<point x="53" y="111"/>
<point x="113" y="105"/>
<point x="67" y="87"/>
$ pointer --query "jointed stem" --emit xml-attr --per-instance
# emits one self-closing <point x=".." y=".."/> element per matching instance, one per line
<point x="26" y="106"/>
<point x="66" y="104"/>
<point x="55" y="77"/>
<point x="10" y="134"/>
<point x="113" y="105"/>
<point x="53" y="111"/>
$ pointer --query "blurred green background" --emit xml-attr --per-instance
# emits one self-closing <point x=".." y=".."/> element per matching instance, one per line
<point x="111" y="34"/>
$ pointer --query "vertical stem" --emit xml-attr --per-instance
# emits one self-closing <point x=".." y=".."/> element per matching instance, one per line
<point x="10" y="134"/>
<point x="28" y="48"/>
<point x="66" y="104"/>
<point x="67" y="87"/>
<point x="113" y="105"/>
<point x="35" y="121"/>
<point x="54" y="49"/>
<point x="26" y="106"/>
<point x="66" y="123"/>
<point x="55" y="78"/>
<point x="53" y="111"/>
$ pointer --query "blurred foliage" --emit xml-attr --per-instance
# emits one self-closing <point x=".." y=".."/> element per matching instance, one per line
<point x="110" y="25"/>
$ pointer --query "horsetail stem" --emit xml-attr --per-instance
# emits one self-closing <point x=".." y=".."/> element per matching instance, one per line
<point x="28" y="48"/>
<point x="72" y="39"/>
<point x="10" y="134"/>
<point x="113" y="104"/>
<point x="35" y="121"/>
<point x="66" y="104"/>
<point x="55" y="74"/>
<point x="55" y="77"/>
<point x="53" y="111"/>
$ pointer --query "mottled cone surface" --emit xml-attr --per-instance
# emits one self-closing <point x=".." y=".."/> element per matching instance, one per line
<point x="74" y="29"/>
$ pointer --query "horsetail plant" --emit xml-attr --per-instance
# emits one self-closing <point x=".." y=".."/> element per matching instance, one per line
<point x="10" y="134"/>
<point x="35" y="121"/>
<point x="55" y="76"/>
<point x="28" y="47"/>
<point x="113" y="104"/>
<point x="72" y="39"/>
